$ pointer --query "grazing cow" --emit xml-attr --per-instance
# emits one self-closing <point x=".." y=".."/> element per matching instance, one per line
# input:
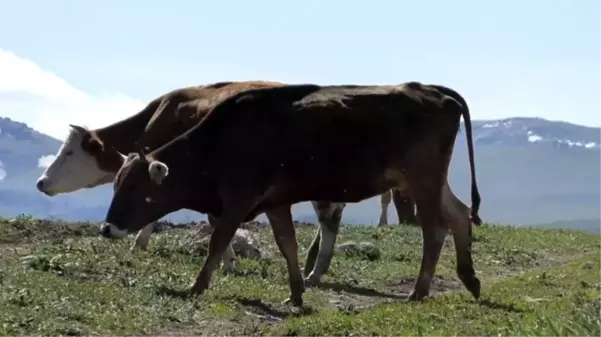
<point x="263" y="150"/>
<point x="89" y="158"/>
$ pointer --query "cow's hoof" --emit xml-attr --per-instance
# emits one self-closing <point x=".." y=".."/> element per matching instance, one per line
<point x="137" y="247"/>
<point x="296" y="302"/>
<point x="415" y="296"/>
<point x="196" y="290"/>
<point x="192" y="292"/>
<point x="312" y="280"/>
<point x="229" y="268"/>
<point x="473" y="286"/>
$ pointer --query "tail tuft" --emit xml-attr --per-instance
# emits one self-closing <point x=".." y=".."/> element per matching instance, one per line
<point x="476" y="218"/>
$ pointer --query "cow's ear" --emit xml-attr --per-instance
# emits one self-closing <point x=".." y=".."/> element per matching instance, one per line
<point x="158" y="171"/>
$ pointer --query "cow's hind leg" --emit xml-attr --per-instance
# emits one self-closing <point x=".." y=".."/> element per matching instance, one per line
<point x="329" y="215"/>
<point x="312" y="252"/>
<point x="385" y="199"/>
<point x="457" y="215"/>
<point x="433" y="236"/>
<point x="426" y="187"/>
<point x="143" y="237"/>
<point x="229" y="256"/>
<point x="285" y="237"/>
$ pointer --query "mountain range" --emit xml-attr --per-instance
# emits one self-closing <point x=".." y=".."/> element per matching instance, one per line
<point x="530" y="171"/>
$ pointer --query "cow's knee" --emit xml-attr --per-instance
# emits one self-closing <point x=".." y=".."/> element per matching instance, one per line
<point x="228" y="264"/>
<point x="143" y="237"/>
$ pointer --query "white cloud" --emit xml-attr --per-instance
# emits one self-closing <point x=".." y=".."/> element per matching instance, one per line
<point x="2" y="171"/>
<point x="47" y="103"/>
<point x="45" y="161"/>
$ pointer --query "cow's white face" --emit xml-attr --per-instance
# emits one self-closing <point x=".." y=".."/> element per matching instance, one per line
<point x="77" y="165"/>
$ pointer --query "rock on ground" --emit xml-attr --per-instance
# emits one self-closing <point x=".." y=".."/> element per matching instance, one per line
<point x="244" y="243"/>
<point x="365" y="250"/>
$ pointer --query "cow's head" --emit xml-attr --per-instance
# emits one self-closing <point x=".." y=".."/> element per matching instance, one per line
<point x="83" y="161"/>
<point x="141" y="195"/>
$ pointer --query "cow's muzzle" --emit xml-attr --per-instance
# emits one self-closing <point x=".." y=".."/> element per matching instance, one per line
<point x="108" y="230"/>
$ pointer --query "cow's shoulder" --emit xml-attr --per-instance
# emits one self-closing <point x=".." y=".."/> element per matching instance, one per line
<point x="186" y="93"/>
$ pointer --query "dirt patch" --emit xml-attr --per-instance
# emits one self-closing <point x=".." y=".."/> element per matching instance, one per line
<point x="254" y="316"/>
<point x="207" y="327"/>
<point x="440" y="285"/>
<point x="354" y="298"/>
<point x="264" y="311"/>
<point x="10" y="253"/>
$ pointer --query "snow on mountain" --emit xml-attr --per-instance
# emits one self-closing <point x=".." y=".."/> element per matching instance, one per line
<point x="526" y="131"/>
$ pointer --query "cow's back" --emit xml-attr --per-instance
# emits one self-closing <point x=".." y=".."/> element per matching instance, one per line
<point x="181" y="109"/>
<point x="311" y="112"/>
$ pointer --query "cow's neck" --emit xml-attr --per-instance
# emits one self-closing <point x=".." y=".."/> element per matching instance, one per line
<point x="179" y="153"/>
<point x="124" y="134"/>
<point x="174" y="149"/>
<point x="193" y="176"/>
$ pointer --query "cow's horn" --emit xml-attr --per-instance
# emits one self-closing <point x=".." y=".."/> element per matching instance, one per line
<point x="78" y="128"/>
<point x="158" y="171"/>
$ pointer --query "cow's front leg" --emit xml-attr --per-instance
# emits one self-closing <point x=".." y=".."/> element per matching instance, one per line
<point x="228" y="258"/>
<point x="143" y="237"/>
<point x="220" y="238"/>
<point x="285" y="237"/>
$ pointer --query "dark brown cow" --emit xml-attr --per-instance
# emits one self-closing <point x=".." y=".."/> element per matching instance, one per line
<point x="266" y="149"/>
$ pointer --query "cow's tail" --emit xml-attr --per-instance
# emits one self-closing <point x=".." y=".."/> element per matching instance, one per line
<point x="470" y="149"/>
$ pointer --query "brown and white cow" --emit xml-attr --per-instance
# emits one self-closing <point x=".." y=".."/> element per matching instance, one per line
<point x="89" y="158"/>
<point x="263" y="150"/>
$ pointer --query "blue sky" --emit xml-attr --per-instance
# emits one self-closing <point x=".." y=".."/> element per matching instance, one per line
<point x="508" y="58"/>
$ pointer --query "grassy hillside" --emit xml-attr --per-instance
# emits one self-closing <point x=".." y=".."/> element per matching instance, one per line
<point x="62" y="279"/>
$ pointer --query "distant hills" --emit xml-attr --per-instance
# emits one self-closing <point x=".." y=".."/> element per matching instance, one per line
<point x="589" y="225"/>
<point x="529" y="171"/>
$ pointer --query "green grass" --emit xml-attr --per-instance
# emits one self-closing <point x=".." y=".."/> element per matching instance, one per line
<point x="63" y="279"/>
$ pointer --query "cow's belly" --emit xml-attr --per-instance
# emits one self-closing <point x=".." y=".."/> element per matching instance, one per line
<point x="346" y="193"/>
<point x="345" y="183"/>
